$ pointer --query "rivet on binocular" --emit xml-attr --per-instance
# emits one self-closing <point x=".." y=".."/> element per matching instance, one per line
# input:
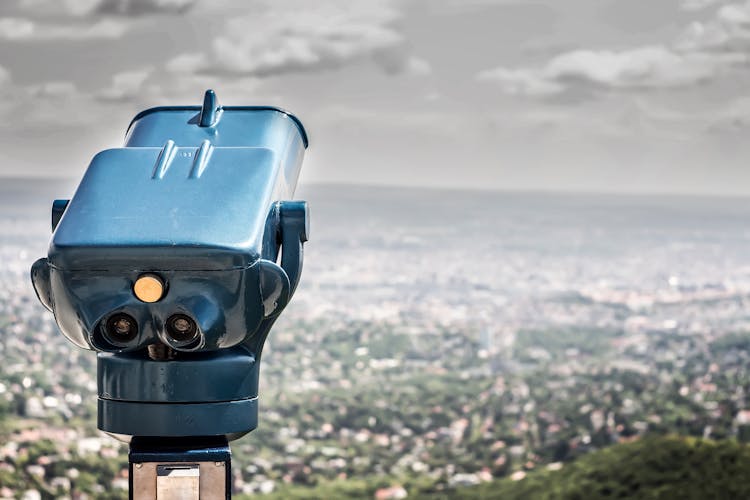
<point x="178" y="297"/>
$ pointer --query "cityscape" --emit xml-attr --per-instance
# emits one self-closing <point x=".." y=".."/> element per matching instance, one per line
<point x="439" y="340"/>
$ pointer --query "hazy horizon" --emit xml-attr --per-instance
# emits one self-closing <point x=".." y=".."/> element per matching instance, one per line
<point x="72" y="182"/>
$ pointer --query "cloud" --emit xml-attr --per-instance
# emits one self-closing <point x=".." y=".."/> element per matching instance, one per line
<point x="699" y="4"/>
<point x="77" y="20"/>
<point x="55" y="103"/>
<point x="12" y="28"/>
<point x="417" y="66"/>
<point x="52" y="104"/>
<point x="735" y="15"/>
<point x="732" y="117"/>
<point x="705" y="51"/>
<point x="305" y="37"/>
<point x="55" y="90"/>
<point x="22" y="29"/>
<point x="727" y="31"/>
<point x="4" y="76"/>
<point x="521" y="81"/>
<point x="141" y="7"/>
<point x="645" y="67"/>
<point x="187" y="63"/>
<point x="648" y="67"/>
<point x="125" y="85"/>
<point x="81" y="8"/>
<point x="78" y="7"/>
<point x="396" y="62"/>
<point x="699" y="36"/>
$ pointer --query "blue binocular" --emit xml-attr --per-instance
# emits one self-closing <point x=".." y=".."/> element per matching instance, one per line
<point x="173" y="259"/>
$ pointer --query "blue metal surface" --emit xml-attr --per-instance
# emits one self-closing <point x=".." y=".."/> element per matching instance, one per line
<point x="228" y="418"/>
<point x="224" y="375"/>
<point x="213" y="221"/>
<point x="237" y="126"/>
<point x="199" y="197"/>
<point x="144" y="129"/>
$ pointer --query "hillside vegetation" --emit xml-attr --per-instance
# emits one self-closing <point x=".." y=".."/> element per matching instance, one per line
<point x="653" y="468"/>
<point x="657" y="467"/>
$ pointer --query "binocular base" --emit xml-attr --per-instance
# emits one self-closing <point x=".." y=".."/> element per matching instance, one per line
<point x="205" y="394"/>
<point x="229" y="419"/>
<point x="180" y="469"/>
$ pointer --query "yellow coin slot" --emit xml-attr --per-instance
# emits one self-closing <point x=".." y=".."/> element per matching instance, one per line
<point x="148" y="288"/>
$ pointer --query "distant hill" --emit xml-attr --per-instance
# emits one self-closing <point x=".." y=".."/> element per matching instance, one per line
<point x="654" y="468"/>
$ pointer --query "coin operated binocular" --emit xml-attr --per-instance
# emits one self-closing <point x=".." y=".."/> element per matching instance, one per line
<point x="172" y="260"/>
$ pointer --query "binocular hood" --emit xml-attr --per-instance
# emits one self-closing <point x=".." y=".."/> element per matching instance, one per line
<point x="188" y="309"/>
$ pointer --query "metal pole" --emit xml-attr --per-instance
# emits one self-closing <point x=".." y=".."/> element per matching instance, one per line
<point x="180" y="468"/>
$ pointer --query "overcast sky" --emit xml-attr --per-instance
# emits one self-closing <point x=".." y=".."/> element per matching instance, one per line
<point x="594" y="95"/>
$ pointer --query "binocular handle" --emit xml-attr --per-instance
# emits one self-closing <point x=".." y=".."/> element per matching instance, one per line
<point x="279" y="283"/>
<point x="294" y="226"/>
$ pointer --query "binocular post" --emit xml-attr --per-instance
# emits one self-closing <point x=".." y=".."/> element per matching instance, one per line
<point x="180" y="469"/>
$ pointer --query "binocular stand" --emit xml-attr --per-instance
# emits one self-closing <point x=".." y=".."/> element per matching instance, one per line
<point x="177" y="286"/>
<point x="180" y="469"/>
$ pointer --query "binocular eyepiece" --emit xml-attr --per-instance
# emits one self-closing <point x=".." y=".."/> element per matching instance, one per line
<point x="120" y="331"/>
<point x="177" y="285"/>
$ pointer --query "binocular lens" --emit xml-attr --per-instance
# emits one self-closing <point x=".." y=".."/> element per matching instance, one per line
<point x="182" y="329"/>
<point x="121" y="329"/>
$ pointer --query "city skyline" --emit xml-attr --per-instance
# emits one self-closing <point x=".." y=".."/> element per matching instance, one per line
<point x="582" y="95"/>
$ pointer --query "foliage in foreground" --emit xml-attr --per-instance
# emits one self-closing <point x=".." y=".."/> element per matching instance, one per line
<point x="652" y="468"/>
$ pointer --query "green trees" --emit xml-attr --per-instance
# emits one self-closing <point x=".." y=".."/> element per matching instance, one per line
<point x="654" y="468"/>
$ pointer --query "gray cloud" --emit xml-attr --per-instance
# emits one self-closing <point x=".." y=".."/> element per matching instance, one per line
<point x="733" y="117"/>
<point x="728" y="30"/>
<point x="125" y="85"/>
<point x="50" y="104"/>
<point x="705" y="51"/>
<point x="81" y="8"/>
<point x="45" y="20"/>
<point x="300" y="37"/>
<point x="56" y="90"/>
<point x="23" y="29"/>
<point x="4" y="76"/>
<point x="699" y="4"/>
<point x="642" y="67"/>
<point x="397" y="62"/>
<point x="142" y="7"/>
<point x="528" y="82"/>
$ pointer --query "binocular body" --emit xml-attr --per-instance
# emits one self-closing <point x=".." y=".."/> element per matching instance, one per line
<point x="173" y="259"/>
